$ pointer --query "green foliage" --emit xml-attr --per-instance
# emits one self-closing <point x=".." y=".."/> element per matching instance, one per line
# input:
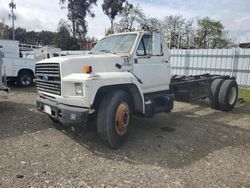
<point x="63" y="39"/>
<point x="111" y="8"/>
<point x="77" y="12"/>
<point x="150" y="24"/>
<point x="178" y="30"/>
<point x="28" y="37"/>
<point x="4" y="31"/>
<point x="131" y="17"/>
<point x="34" y="38"/>
<point x="245" y="94"/>
<point x="46" y="38"/>
<point x="211" y="34"/>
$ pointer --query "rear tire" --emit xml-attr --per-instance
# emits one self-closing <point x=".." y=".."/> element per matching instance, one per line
<point x="214" y="93"/>
<point x="113" y="119"/>
<point x="25" y="79"/>
<point x="228" y="95"/>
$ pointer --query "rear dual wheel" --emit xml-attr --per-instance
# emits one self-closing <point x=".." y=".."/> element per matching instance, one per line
<point x="228" y="95"/>
<point x="224" y="94"/>
<point x="214" y="93"/>
<point x="113" y="118"/>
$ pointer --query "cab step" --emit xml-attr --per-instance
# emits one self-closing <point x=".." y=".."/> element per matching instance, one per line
<point x="158" y="102"/>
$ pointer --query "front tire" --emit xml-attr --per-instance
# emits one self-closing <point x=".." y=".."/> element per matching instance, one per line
<point x="113" y="119"/>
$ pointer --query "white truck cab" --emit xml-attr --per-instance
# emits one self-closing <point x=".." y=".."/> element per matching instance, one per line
<point x="124" y="74"/>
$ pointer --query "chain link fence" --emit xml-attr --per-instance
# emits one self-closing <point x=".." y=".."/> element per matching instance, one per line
<point x="233" y="62"/>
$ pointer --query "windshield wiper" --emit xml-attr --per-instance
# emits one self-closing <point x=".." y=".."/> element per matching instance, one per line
<point x="107" y="51"/>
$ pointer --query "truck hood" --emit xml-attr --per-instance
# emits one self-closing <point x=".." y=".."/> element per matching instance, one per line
<point x="98" y="62"/>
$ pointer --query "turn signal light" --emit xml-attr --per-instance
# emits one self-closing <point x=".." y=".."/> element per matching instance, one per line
<point x="87" y="69"/>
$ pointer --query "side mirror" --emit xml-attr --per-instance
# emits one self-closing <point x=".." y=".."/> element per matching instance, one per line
<point x="157" y="47"/>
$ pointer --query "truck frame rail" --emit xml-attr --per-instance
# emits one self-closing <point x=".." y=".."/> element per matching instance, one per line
<point x="190" y="88"/>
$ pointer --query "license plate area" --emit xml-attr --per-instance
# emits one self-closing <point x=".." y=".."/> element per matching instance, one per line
<point x="47" y="109"/>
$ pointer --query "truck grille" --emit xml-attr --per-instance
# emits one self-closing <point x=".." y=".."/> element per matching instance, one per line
<point x="48" y="78"/>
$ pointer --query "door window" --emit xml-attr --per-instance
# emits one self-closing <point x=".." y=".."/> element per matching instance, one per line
<point x="145" y="46"/>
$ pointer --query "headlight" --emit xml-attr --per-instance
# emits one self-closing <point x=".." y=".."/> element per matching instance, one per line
<point x="79" y="89"/>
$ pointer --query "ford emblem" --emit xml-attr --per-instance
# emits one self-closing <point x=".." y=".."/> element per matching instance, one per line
<point x="45" y="78"/>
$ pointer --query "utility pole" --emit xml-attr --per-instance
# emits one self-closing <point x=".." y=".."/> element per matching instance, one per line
<point x="12" y="16"/>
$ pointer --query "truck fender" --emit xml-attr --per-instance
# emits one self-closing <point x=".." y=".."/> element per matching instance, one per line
<point x="120" y="80"/>
<point x="24" y="69"/>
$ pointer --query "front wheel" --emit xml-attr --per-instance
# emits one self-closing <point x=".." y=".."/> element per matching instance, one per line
<point x="113" y="119"/>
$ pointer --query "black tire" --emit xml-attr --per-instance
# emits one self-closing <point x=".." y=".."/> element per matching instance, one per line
<point x="25" y="79"/>
<point x="107" y="123"/>
<point x="214" y="93"/>
<point x="91" y="123"/>
<point x="228" y="95"/>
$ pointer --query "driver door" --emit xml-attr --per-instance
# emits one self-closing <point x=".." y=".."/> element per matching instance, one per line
<point x="152" y="70"/>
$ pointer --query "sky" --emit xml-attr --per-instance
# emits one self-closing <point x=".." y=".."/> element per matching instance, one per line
<point x="45" y="15"/>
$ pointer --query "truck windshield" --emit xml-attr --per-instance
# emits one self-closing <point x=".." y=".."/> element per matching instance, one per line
<point x="115" y="44"/>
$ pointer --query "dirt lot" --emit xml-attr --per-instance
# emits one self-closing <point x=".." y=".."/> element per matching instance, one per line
<point x="194" y="146"/>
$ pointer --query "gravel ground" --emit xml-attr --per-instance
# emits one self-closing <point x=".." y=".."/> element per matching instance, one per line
<point x="194" y="146"/>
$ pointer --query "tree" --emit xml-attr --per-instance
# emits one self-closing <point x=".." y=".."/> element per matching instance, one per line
<point x="189" y="34"/>
<point x="32" y="37"/>
<point x="77" y="12"/>
<point x="150" y="23"/>
<point x="174" y="27"/>
<point x="46" y="37"/>
<point x="111" y="8"/>
<point x="211" y="34"/>
<point x="4" y="30"/>
<point x="63" y="39"/>
<point x="20" y="35"/>
<point x="131" y="17"/>
<point x="88" y="43"/>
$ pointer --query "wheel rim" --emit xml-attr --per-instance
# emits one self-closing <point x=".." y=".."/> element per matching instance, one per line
<point x="25" y="80"/>
<point x="122" y="119"/>
<point x="232" y="95"/>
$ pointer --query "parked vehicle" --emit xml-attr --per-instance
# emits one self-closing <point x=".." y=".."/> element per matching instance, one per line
<point x="124" y="74"/>
<point x="3" y="83"/>
<point x="19" y="60"/>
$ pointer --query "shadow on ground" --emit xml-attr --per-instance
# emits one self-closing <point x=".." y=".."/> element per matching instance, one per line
<point x="173" y="141"/>
<point x="17" y="119"/>
<point x="168" y="140"/>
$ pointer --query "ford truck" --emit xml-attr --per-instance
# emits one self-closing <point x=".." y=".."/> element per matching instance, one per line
<point x="125" y="74"/>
